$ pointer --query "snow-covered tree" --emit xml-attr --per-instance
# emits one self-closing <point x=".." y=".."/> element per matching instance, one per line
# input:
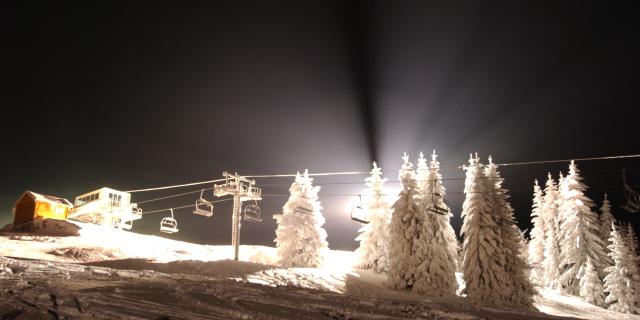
<point x="551" y="249"/>
<point x="634" y="269"/>
<point x="406" y="217"/>
<point x="561" y="186"/>
<point x="590" y="284"/>
<point x="373" y="252"/>
<point x="619" y="280"/>
<point x="524" y="245"/>
<point x="631" y="239"/>
<point x="516" y="267"/>
<point x="436" y="244"/>
<point x="300" y="237"/>
<point x="606" y="219"/>
<point x="483" y="260"/>
<point x="579" y="232"/>
<point x="536" y="244"/>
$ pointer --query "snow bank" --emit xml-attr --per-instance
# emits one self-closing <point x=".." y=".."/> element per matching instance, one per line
<point x="216" y="269"/>
<point x="86" y="254"/>
<point x="48" y="227"/>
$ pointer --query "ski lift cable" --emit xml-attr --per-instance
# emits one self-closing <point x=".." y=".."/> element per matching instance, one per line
<point x="565" y="160"/>
<point x="358" y="183"/>
<point x="442" y="179"/>
<point x="366" y="172"/>
<point x="176" y="186"/>
<point x="182" y="207"/>
<point x="344" y="173"/>
<point x="172" y="196"/>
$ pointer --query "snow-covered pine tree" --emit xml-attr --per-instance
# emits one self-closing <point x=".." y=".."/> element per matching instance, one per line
<point x="551" y="249"/>
<point x="619" y="279"/>
<point x="521" y="290"/>
<point x="590" y="284"/>
<point x="631" y="239"/>
<point x="579" y="232"/>
<point x="300" y="238"/>
<point x="404" y="228"/>
<point x="482" y="256"/>
<point x="373" y="252"/>
<point x="634" y="269"/>
<point x="524" y="245"/>
<point x="606" y="219"/>
<point x="436" y="245"/>
<point x="536" y="244"/>
<point x="561" y="186"/>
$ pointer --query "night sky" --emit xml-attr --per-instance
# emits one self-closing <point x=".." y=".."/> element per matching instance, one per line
<point x="107" y="93"/>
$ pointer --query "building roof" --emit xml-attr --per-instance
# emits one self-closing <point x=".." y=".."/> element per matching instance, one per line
<point x="46" y="198"/>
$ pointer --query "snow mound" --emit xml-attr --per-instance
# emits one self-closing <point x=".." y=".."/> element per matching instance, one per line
<point x="86" y="254"/>
<point x="46" y="227"/>
<point x="215" y="269"/>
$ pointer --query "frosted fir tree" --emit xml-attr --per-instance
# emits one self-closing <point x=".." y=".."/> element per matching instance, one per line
<point x="300" y="238"/>
<point x="619" y="280"/>
<point x="606" y="219"/>
<point x="524" y="245"/>
<point x="561" y="186"/>
<point x="634" y="269"/>
<point x="579" y="232"/>
<point x="536" y="244"/>
<point x="551" y="261"/>
<point x="436" y="246"/>
<point x="590" y="284"/>
<point x="406" y="218"/>
<point x="631" y="239"/>
<point x="373" y="252"/>
<point x="521" y="290"/>
<point x="482" y="256"/>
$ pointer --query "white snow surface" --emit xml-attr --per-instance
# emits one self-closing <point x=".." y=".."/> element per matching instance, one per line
<point x="113" y="274"/>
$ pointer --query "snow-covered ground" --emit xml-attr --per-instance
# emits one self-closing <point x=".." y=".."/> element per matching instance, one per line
<point x="112" y="274"/>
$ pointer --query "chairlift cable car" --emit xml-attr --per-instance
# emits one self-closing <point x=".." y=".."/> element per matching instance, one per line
<point x="169" y="224"/>
<point x="633" y="197"/>
<point x="252" y="212"/>
<point x="435" y="208"/>
<point x="358" y="213"/>
<point x="203" y="207"/>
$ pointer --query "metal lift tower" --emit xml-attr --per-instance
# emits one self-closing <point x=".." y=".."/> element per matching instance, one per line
<point x="241" y="189"/>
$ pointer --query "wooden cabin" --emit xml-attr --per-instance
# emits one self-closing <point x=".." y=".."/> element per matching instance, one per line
<point x="32" y="206"/>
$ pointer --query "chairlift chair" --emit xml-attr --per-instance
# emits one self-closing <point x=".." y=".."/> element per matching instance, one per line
<point x="252" y="212"/>
<point x="303" y="210"/>
<point x="126" y="224"/>
<point x="435" y="208"/>
<point x="358" y="214"/>
<point x="169" y="224"/>
<point x="203" y="206"/>
<point x="633" y="197"/>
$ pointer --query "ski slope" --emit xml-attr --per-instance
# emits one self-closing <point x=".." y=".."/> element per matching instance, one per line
<point x="113" y="274"/>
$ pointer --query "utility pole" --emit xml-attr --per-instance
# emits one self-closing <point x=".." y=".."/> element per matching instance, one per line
<point x="242" y="189"/>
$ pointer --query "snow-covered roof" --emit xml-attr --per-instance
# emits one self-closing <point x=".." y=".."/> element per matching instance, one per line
<point x="46" y="198"/>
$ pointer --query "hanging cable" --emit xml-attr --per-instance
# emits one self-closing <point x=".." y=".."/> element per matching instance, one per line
<point x="183" y="207"/>
<point x="345" y="173"/>
<point x="176" y="186"/>
<point x="366" y="172"/>
<point x="564" y="160"/>
<point x="172" y="196"/>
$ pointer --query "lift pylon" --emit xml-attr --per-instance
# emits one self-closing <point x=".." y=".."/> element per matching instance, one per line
<point x="242" y="189"/>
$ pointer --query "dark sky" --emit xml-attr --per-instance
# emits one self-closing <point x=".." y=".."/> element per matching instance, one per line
<point x="108" y="93"/>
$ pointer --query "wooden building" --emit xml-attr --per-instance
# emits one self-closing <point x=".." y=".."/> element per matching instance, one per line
<point x="32" y="206"/>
